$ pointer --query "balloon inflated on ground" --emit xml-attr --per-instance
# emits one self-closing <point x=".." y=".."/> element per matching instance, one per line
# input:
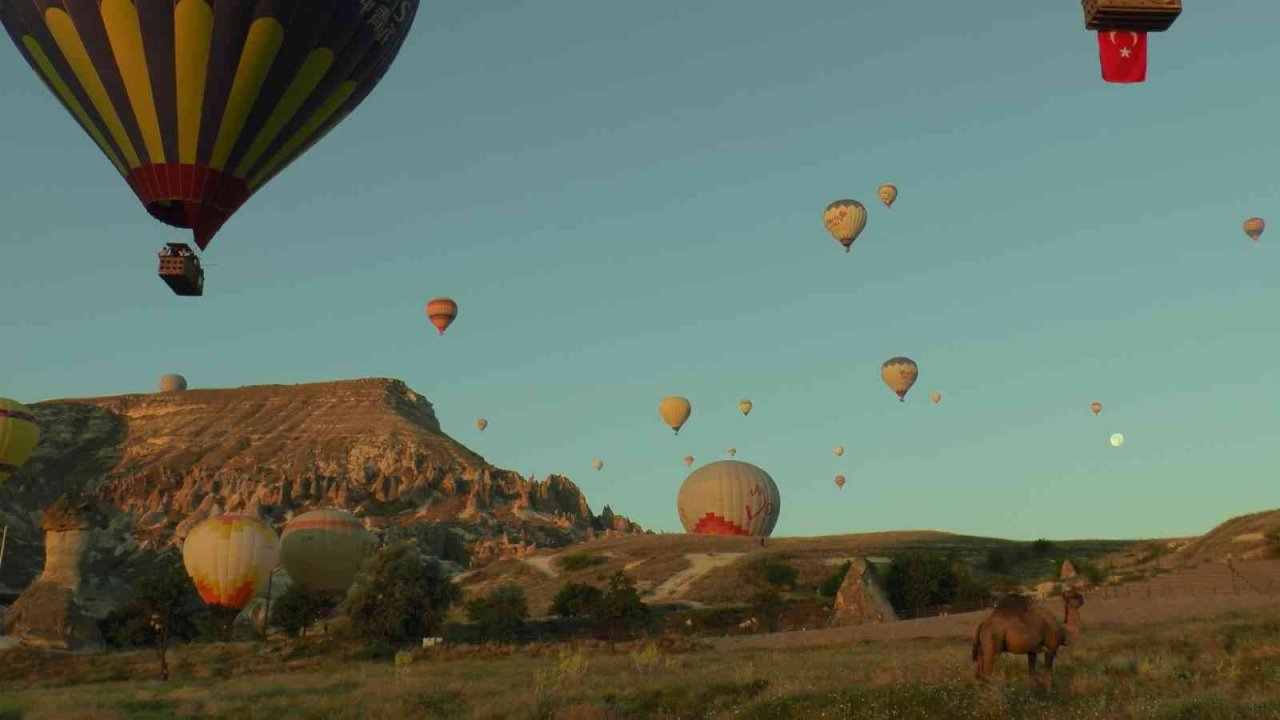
<point x="729" y="497"/>
<point x="19" y="435"/>
<point x="899" y="373"/>
<point x="845" y="220"/>
<point x="675" y="411"/>
<point x="230" y="558"/>
<point x="172" y="383"/>
<point x="442" y="311"/>
<point x="323" y="550"/>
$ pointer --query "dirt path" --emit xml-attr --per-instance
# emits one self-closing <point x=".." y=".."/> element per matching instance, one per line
<point x="699" y="564"/>
<point x="1101" y="612"/>
<point x="543" y="563"/>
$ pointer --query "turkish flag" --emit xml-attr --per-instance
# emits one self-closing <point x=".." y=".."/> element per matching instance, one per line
<point x="1123" y="55"/>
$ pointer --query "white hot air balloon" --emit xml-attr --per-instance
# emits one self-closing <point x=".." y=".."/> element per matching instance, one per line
<point x="839" y="450"/>
<point x="1117" y="440"/>
<point x="729" y="497"/>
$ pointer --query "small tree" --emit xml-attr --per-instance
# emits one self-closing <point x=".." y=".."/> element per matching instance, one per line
<point x="1042" y="548"/>
<point x="399" y="594"/>
<point x="621" y="611"/>
<point x="1000" y="560"/>
<point x="501" y="614"/>
<point x="298" y="607"/>
<point x="767" y="606"/>
<point x="831" y="585"/>
<point x="779" y="575"/>
<point x="919" y="580"/>
<point x="165" y="607"/>
<point x="577" y="599"/>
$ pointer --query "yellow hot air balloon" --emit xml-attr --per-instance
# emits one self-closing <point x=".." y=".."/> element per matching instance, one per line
<point x="888" y="192"/>
<point x="481" y="424"/>
<point x="19" y="435"/>
<point x="688" y="460"/>
<point x="840" y="482"/>
<point x="845" y="220"/>
<point x="733" y="452"/>
<point x="675" y="411"/>
<point x="229" y="558"/>
<point x="1253" y="227"/>
<point x="1096" y="407"/>
<point x="744" y="406"/>
<point x="598" y="464"/>
<point x="936" y="397"/>
<point x="729" y="497"/>
<point x="839" y="450"/>
<point x="323" y="550"/>
<point x="899" y="374"/>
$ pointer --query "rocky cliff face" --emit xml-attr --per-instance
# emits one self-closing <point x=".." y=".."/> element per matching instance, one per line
<point x="160" y="463"/>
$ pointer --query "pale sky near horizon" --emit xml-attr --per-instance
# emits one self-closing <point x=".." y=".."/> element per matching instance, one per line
<point x="625" y="200"/>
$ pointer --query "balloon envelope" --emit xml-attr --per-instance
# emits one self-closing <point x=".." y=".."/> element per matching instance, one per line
<point x="675" y="411"/>
<point x="744" y="406"/>
<point x="733" y="452"/>
<point x="442" y="312"/>
<point x="839" y="450"/>
<point x="899" y="374"/>
<point x="481" y="424"/>
<point x="1117" y="440"/>
<point x="1096" y="408"/>
<point x="936" y="398"/>
<point x="1253" y="227"/>
<point x="19" y="435"/>
<point x="888" y="192"/>
<point x="729" y="497"/>
<point x="845" y="220"/>
<point x="173" y="383"/>
<point x="597" y="464"/>
<point x="229" y="558"/>
<point x="323" y="550"/>
<point x="840" y="481"/>
<point x="688" y="460"/>
<point x="199" y="103"/>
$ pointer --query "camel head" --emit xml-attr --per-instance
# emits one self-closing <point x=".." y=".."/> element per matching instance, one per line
<point x="1073" y="598"/>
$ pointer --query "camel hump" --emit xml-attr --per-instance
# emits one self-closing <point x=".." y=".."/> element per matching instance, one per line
<point x="1014" y="603"/>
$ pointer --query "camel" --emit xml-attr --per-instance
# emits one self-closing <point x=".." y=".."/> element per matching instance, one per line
<point x="1017" y="625"/>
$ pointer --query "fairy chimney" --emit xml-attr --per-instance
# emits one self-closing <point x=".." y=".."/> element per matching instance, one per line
<point x="48" y="613"/>
<point x="859" y="600"/>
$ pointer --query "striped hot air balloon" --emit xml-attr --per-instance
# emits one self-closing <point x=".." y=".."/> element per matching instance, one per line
<point x="323" y="550"/>
<point x="230" y="558"/>
<point x="729" y="497"/>
<point x="1253" y="227"/>
<point x="19" y="435"/>
<point x="199" y="103"/>
<point x="442" y="312"/>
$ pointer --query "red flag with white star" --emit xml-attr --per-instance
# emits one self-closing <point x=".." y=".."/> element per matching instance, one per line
<point x="1123" y="55"/>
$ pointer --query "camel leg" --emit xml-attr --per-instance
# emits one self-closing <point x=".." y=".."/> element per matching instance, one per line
<point x="1049" y="655"/>
<point x="1031" y="668"/>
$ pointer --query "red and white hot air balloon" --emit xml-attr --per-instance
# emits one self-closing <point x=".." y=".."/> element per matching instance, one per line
<point x="729" y="497"/>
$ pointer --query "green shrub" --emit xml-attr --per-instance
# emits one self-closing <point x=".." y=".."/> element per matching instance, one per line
<point x="400" y="594"/>
<point x="501" y="614"/>
<point x="1001" y="560"/>
<point x="621" y="612"/>
<point x="920" y="580"/>
<point x="576" y="599"/>
<point x="1042" y="548"/>
<point x="581" y="561"/>
<point x="780" y="575"/>
<point x="767" y="607"/>
<point x="831" y="585"/>
<point x="298" y="608"/>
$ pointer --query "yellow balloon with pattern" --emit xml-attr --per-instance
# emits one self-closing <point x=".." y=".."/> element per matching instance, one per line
<point x="888" y="192"/>
<point x="899" y="374"/>
<point x="230" y="558"/>
<point x="744" y="406"/>
<point x="675" y="411"/>
<point x="19" y="435"/>
<point x="845" y="220"/>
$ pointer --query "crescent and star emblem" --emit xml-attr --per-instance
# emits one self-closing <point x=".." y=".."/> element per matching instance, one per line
<point x="1134" y="34"/>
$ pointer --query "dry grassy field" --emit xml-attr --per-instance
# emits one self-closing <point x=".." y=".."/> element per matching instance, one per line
<point x="1223" y="665"/>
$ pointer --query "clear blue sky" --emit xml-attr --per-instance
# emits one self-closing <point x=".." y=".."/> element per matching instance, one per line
<point x="625" y="200"/>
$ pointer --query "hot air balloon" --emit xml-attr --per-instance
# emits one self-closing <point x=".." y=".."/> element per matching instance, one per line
<point x="888" y="192"/>
<point x="198" y="104"/>
<point x="840" y="482"/>
<point x="675" y="411"/>
<point x="1253" y="227"/>
<point x="1096" y="407"/>
<point x="744" y="406"/>
<point x="172" y="383"/>
<point x="323" y="550"/>
<point x="839" y="450"/>
<point x="733" y="452"/>
<point x="845" y="220"/>
<point x="442" y="312"/>
<point x="230" y="557"/>
<point x="597" y="464"/>
<point x="481" y="424"/>
<point x="899" y="374"/>
<point x="1117" y="440"/>
<point x="729" y="497"/>
<point x="688" y="460"/>
<point x="19" y="435"/>
<point x="935" y="397"/>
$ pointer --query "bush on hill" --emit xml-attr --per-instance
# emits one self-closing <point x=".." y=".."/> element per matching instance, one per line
<point x="296" y="609"/>
<point x="400" y="594"/>
<point x="621" y="613"/>
<point x="576" y="600"/>
<point x="781" y="575"/>
<point x="501" y="614"/>
<point x="581" y="561"/>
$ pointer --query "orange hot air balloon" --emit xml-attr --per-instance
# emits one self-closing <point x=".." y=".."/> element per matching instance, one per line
<point x="936" y="397"/>
<point x="442" y="311"/>
<point x="1096" y="408"/>
<point x="899" y="374"/>
<point x="229" y="558"/>
<point x="688" y="460"/>
<point x="481" y="424"/>
<point x="1253" y="227"/>
<point x="840" y="481"/>
<point x="19" y="435"/>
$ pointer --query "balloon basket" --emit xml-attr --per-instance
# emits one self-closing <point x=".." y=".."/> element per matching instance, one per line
<point x="180" y="269"/>
<point x="1142" y="16"/>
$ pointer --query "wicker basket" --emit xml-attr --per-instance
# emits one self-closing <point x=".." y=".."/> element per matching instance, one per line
<point x="1131" y="15"/>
